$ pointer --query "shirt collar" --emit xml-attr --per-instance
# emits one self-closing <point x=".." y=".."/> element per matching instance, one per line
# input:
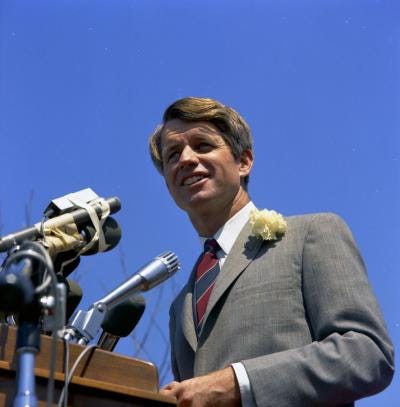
<point x="227" y="234"/>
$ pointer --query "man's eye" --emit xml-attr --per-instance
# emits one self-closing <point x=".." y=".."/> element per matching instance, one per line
<point x="204" y="147"/>
<point x="172" y="157"/>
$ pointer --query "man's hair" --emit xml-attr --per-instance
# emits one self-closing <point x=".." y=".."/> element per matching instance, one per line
<point x="234" y="129"/>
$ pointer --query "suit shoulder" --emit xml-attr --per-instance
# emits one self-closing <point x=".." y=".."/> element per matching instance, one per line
<point x="320" y="217"/>
<point x="323" y="221"/>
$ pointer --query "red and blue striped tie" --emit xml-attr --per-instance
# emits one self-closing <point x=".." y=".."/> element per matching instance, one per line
<point x="207" y="270"/>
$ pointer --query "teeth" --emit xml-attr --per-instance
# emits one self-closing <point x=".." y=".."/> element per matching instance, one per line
<point x="192" y="180"/>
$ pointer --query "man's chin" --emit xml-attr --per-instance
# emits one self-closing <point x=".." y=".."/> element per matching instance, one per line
<point x="197" y="202"/>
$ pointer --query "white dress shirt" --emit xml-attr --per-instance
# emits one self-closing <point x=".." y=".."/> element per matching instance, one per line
<point x="226" y="237"/>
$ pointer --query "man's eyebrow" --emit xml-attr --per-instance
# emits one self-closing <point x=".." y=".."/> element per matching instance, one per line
<point x="168" y="147"/>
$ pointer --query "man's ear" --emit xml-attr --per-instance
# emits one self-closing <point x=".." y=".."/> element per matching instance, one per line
<point x="245" y="163"/>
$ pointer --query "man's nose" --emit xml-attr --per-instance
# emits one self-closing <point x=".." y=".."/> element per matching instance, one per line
<point x="188" y="156"/>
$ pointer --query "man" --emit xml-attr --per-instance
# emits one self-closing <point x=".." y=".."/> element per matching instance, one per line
<point x="287" y="319"/>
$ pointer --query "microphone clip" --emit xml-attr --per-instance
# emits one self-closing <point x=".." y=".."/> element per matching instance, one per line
<point x="86" y="324"/>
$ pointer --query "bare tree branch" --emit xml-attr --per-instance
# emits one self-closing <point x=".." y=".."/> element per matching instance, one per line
<point x="137" y="345"/>
<point x="28" y="208"/>
<point x="2" y="255"/>
<point x="122" y="261"/>
<point x="1" y="223"/>
<point x="152" y="317"/>
<point x="165" y="364"/>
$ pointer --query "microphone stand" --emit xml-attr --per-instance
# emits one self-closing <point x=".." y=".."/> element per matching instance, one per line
<point x="22" y="272"/>
<point x="28" y="336"/>
<point x="28" y="345"/>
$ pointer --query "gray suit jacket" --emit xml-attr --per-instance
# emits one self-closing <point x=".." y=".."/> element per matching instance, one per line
<point x="297" y="312"/>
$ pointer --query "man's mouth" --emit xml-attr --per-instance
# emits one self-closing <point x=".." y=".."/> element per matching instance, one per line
<point x="193" y="180"/>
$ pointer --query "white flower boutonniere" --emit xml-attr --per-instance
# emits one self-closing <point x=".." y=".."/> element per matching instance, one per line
<point x="267" y="225"/>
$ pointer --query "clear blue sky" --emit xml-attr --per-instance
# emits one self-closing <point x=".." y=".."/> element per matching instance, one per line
<point x="83" y="83"/>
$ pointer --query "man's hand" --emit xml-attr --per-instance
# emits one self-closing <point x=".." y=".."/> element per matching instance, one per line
<point x="219" y="388"/>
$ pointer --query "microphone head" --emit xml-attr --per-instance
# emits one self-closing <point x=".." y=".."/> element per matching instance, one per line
<point x="121" y="319"/>
<point x="63" y="265"/>
<point x="155" y="275"/>
<point x="112" y="235"/>
<point x="16" y="291"/>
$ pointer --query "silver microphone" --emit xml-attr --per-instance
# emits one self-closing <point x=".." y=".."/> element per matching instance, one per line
<point x="155" y="272"/>
<point x="86" y="324"/>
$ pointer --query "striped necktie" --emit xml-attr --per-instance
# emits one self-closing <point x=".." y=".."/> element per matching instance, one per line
<point x="207" y="269"/>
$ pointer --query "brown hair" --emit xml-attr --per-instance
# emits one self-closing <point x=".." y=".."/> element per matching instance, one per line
<point x="234" y="129"/>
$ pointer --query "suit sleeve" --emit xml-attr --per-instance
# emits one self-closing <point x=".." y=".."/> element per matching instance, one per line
<point x="351" y="355"/>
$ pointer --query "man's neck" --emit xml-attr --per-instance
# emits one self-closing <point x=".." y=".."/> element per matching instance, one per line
<point x="208" y="222"/>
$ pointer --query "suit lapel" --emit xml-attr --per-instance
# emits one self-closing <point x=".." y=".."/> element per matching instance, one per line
<point x="243" y="252"/>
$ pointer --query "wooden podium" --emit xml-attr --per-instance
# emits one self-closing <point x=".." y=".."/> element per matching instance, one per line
<point x="103" y="379"/>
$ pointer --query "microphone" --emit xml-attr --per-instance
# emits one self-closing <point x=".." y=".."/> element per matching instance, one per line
<point x="120" y="321"/>
<point x="78" y="216"/>
<point x="74" y="297"/>
<point x="20" y="273"/>
<point x="152" y="274"/>
<point x="16" y="287"/>
<point x="66" y="261"/>
<point x="86" y="324"/>
<point x="112" y="236"/>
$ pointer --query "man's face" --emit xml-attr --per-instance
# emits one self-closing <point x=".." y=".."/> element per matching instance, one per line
<point x="199" y="168"/>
